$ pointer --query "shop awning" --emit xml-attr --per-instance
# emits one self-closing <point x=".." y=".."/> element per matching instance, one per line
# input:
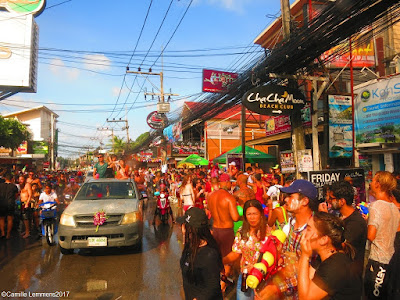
<point x="252" y="155"/>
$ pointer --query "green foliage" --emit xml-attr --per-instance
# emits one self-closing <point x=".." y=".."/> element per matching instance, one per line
<point x="118" y="145"/>
<point x="140" y="140"/>
<point x="12" y="133"/>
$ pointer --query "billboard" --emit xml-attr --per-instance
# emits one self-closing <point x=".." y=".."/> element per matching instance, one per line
<point x="340" y="126"/>
<point x="217" y="81"/>
<point x="39" y="147"/>
<point x="18" y="51"/>
<point x="363" y="53"/>
<point x="173" y="132"/>
<point x="377" y="111"/>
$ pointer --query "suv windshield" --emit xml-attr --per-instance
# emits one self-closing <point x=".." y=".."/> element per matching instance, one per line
<point x="106" y="190"/>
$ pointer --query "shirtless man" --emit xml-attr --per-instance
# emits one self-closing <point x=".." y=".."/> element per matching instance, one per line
<point x="244" y="193"/>
<point x="25" y="195"/>
<point x="222" y="206"/>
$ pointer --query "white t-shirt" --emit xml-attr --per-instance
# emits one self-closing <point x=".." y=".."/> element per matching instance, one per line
<point x="48" y="198"/>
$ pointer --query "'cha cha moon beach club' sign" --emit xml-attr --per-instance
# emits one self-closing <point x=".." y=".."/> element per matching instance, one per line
<point x="274" y="100"/>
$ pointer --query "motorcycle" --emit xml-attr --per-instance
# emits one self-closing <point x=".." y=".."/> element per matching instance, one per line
<point x="163" y="207"/>
<point x="48" y="217"/>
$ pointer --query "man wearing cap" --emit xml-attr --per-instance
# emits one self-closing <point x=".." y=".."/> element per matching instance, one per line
<point x="222" y="206"/>
<point x="301" y="202"/>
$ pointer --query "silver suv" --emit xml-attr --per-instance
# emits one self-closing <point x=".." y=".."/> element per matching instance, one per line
<point x="119" y="204"/>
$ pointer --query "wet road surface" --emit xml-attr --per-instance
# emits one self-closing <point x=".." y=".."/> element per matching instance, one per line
<point x="31" y="266"/>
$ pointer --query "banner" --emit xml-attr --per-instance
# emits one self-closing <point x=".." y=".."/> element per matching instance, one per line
<point x="377" y="111"/>
<point x="217" y="81"/>
<point x="323" y="177"/>
<point x="173" y="133"/>
<point x="281" y="124"/>
<point x="340" y="126"/>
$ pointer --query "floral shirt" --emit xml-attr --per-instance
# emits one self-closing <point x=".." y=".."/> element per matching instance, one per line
<point x="249" y="249"/>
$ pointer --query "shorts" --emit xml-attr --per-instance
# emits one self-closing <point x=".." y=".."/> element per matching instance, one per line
<point x="26" y="213"/>
<point x="186" y="207"/>
<point x="224" y="238"/>
<point x="375" y="280"/>
<point x="7" y="209"/>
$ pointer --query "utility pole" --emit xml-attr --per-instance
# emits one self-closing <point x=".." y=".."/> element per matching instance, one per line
<point x="112" y="135"/>
<point x="162" y="106"/>
<point x="298" y="133"/>
<point x="125" y="128"/>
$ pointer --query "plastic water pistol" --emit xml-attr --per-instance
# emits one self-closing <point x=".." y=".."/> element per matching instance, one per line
<point x="363" y="207"/>
<point x="267" y="263"/>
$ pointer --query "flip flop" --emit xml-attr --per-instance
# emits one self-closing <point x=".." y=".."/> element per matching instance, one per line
<point x="26" y="236"/>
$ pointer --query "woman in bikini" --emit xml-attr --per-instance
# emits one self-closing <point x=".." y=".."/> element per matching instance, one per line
<point x="187" y="195"/>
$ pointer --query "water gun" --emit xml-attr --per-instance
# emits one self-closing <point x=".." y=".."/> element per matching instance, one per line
<point x="266" y="210"/>
<point x="267" y="263"/>
<point x="363" y="208"/>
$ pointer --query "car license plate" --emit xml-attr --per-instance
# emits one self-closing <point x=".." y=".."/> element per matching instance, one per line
<point x="97" y="241"/>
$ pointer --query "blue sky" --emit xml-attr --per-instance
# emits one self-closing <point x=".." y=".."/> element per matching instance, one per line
<point x="108" y="32"/>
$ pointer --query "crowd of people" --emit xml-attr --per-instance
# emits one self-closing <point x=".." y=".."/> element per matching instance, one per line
<point x="331" y="249"/>
<point x="21" y="193"/>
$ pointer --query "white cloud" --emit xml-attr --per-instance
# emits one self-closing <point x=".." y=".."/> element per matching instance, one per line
<point x="115" y="91"/>
<point x="233" y="5"/>
<point x="96" y="62"/>
<point x="58" y="68"/>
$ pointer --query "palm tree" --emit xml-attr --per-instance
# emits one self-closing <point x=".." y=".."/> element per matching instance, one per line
<point x="118" y="145"/>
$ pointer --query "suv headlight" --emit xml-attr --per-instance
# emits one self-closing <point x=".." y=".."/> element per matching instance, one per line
<point x="67" y="220"/>
<point x="130" y="218"/>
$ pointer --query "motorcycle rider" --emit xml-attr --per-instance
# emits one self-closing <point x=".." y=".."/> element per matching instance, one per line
<point x="157" y="212"/>
<point x="48" y="195"/>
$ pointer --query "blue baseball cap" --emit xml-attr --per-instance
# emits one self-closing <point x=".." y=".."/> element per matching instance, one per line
<point x="301" y="186"/>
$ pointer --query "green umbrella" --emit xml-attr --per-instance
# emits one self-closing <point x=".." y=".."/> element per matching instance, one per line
<point x="195" y="160"/>
<point x="252" y="155"/>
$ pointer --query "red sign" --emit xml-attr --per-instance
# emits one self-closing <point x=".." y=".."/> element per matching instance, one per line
<point x="217" y="81"/>
<point x="156" y="120"/>
<point x="281" y="124"/>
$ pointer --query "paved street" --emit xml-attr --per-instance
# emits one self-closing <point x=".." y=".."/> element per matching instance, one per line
<point x="151" y="273"/>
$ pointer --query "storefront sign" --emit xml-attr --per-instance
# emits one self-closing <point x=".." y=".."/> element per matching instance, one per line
<point x="22" y="148"/>
<point x="377" y="112"/>
<point x="156" y="120"/>
<point x="185" y="148"/>
<point x="340" y="126"/>
<point x="217" y="81"/>
<point x="274" y="100"/>
<point x="323" y="177"/>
